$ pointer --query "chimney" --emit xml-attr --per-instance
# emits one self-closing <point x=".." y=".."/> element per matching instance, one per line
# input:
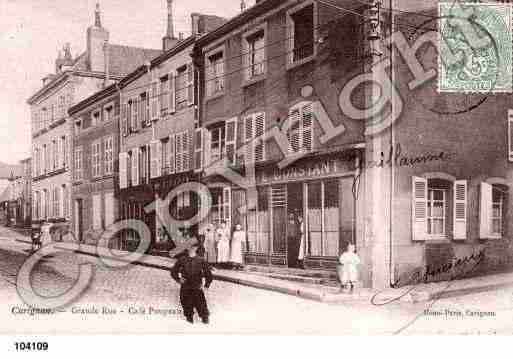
<point x="242" y="5"/>
<point x="96" y="38"/>
<point x="169" y="40"/>
<point x="106" y="60"/>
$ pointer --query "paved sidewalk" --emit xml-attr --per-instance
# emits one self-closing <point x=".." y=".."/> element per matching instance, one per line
<point x="412" y="294"/>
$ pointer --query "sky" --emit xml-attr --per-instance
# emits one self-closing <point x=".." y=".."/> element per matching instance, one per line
<point x="33" y="31"/>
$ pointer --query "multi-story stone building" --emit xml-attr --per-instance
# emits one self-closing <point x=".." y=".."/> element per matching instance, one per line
<point x="75" y="79"/>
<point x="94" y="168"/>
<point x="158" y="120"/>
<point x="419" y="181"/>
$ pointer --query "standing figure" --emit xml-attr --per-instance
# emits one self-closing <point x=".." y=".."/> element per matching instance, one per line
<point x="223" y="244"/>
<point x="238" y="238"/>
<point x="301" y="255"/>
<point x="292" y="241"/>
<point x="210" y="244"/>
<point x="189" y="271"/>
<point x="348" y="268"/>
<point x="46" y="237"/>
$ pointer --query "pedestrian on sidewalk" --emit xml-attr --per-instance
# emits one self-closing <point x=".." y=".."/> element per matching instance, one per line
<point x="210" y="244"/>
<point x="223" y="245"/>
<point x="348" y="268"/>
<point x="238" y="238"/>
<point x="190" y="271"/>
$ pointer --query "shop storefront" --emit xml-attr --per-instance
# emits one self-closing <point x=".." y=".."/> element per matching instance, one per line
<point x="305" y="213"/>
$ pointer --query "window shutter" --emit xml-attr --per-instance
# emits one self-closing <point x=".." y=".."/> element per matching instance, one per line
<point x="419" y="208"/>
<point x="153" y="159"/>
<point x="259" y="131"/>
<point x="246" y="56"/>
<point x="154" y="100"/>
<point x="135" y="166"/>
<point x="160" y="164"/>
<point x="510" y="135"/>
<point x="231" y="140"/>
<point x="293" y="121"/>
<point x="186" y="149"/>
<point x="460" y="209"/>
<point x="198" y="148"/>
<point x="207" y="139"/>
<point x="485" y="210"/>
<point x="227" y="208"/>
<point x="178" y="154"/>
<point x="172" y="94"/>
<point x="190" y="85"/>
<point x="248" y="139"/>
<point x="124" y="125"/>
<point x="171" y="154"/>
<point x="135" y="114"/>
<point x="307" y="127"/>
<point x="123" y="171"/>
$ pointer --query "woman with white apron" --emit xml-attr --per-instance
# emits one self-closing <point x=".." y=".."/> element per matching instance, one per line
<point x="301" y="255"/>
<point x="223" y="244"/>
<point x="238" y="238"/>
<point x="210" y="244"/>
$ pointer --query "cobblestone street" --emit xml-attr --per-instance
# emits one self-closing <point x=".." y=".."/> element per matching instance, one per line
<point x="153" y="295"/>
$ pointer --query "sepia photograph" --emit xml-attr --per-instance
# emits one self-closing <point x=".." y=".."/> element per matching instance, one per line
<point x="256" y="167"/>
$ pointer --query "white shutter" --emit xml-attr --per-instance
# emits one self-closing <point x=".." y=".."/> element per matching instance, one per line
<point x="485" y="210"/>
<point x="419" y="208"/>
<point x="227" y="207"/>
<point x="135" y="166"/>
<point x="171" y="154"/>
<point x="293" y="129"/>
<point x="259" y="125"/>
<point x="190" y="84"/>
<point x="460" y="209"/>
<point x="172" y="94"/>
<point x="154" y="100"/>
<point x="178" y="153"/>
<point x="198" y="148"/>
<point x="109" y="208"/>
<point x="186" y="151"/>
<point x="231" y="139"/>
<point x="135" y="114"/>
<point x="207" y="139"/>
<point x="153" y="158"/>
<point x="123" y="173"/>
<point x="307" y="127"/>
<point x="246" y="56"/>
<point x="248" y="139"/>
<point x="510" y="135"/>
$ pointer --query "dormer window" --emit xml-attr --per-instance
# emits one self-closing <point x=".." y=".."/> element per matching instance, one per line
<point x="95" y="117"/>
<point x="108" y="113"/>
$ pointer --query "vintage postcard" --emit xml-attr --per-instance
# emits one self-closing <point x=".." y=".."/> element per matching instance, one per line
<point x="322" y="167"/>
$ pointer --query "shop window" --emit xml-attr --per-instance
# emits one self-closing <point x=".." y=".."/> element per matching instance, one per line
<point x="259" y="228"/>
<point x="221" y="205"/>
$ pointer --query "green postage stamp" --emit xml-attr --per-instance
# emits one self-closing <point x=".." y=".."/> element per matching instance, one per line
<point x="475" y="43"/>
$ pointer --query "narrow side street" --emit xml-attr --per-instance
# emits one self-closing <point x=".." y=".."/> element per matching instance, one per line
<point x="234" y="308"/>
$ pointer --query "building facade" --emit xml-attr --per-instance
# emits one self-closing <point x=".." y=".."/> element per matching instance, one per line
<point x="157" y="126"/>
<point x="95" y="167"/>
<point x="269" y="111"/>
<point x="74" y="80"/>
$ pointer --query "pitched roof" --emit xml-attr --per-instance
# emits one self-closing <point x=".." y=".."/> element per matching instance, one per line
<point x="125" y="59"/>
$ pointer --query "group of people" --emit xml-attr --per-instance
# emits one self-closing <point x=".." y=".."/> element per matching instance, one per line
<point x="223" y="248"/>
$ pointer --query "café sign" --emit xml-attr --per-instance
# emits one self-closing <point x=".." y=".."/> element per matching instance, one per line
<point x="309" y="171"/>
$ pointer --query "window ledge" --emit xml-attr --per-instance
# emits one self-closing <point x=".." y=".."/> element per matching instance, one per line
<point x="293" y="65"/>
<point x="254" y="80"/>
<point x="214" y="96"/>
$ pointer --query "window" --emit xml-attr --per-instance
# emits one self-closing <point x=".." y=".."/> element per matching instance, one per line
<point x="62" y="109"/>
<point x="181" y="87"/>
<point x="65" y="201"/>
<point x="299" y="128"/>
<point x="221" y="205"/>
<point x="215" y="71"/>
<point x="56" y="202"/>
<point x="123" y="169"/>
<point x="135" y="113"/>
<point x="217" y="143"/>
<point x="108" y="155"/>
<point x="64" y="151"/>
<point x="95" y="117"/>
<point x="436" y="212"/>
<point x="143" y="164"/>
<point x="96" y="159"/>
<point x="163" y="93"/>
<point x="56" y="154"/>
<point x="108" y="113"/>
<point x="154" y="100"/>
<point x="492" y="211"/>
<point x="301" y="26"/>
<point x="144" y="109"/>
<point x="439" y="208"/>
<point x="254" y="127"/>
<point x="78" y="163"/>
<point x="97" y="208"/>
<point x="254" y="57"/>
<point x="48" y="158"/>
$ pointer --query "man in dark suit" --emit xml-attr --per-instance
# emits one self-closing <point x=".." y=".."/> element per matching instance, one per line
<point x="189" y="271"/>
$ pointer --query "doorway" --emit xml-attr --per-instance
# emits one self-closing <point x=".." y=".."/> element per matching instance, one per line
<point x="294" y="212"/>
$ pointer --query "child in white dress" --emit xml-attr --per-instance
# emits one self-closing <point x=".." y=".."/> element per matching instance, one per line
<point x="348" y="268"/>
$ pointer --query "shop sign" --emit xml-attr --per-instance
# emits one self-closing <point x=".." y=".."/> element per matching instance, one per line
<point x="312" y="170"/>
